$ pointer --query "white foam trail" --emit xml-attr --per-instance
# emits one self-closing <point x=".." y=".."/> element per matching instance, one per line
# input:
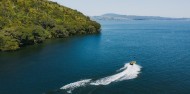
<point x="124" y="67"/>
<point x="70" y="87"/>
<point x="127" y="72"/>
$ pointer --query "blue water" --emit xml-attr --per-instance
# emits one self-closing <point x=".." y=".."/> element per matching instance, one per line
<point x="162" y="48"/>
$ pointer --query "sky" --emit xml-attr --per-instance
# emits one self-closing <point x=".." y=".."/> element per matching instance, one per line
<point x="165" y="8"/>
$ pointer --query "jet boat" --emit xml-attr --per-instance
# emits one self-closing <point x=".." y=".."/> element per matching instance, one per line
<point x="132" y="62"/>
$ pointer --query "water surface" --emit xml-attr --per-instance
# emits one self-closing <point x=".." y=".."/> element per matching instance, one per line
<point x="160" y="47"/>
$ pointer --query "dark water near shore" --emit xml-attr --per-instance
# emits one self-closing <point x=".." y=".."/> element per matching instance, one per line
<point x="162" y="48"/>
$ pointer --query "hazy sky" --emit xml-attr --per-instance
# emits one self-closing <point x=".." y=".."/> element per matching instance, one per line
<point x="166" y="8"/>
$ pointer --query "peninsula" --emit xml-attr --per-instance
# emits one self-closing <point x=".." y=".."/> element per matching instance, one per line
<point x="28" y="22"/>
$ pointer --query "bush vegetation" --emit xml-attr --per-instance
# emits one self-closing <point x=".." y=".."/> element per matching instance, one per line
<point x="27" y="22"/>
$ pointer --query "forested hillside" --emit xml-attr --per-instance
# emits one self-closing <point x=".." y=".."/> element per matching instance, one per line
<point x="27" y="22"/>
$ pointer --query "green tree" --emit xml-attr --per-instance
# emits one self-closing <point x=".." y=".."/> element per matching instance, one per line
<point x="27" y="22"/>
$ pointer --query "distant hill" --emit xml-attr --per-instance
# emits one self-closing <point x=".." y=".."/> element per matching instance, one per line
<point x="112" y="16"/>
<point x="27" y="22"/>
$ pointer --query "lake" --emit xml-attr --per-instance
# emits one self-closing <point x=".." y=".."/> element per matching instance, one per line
<point x="160" y="48"/>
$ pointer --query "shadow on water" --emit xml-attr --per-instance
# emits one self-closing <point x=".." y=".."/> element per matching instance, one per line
<point x="14" y="59"/>
<point x="29" y="67"/>
<point x="34" y="49"/>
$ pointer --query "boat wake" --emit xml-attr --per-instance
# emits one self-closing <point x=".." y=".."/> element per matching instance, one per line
<point x="125" y="73"/>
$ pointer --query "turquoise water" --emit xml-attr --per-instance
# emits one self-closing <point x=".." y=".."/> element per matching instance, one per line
<point x="161" y="48"/>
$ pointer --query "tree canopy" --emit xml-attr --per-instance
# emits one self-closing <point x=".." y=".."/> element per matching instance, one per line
<point x="26" y="22"/>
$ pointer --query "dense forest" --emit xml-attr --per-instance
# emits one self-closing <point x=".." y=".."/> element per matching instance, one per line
<point x="28" y="22"/>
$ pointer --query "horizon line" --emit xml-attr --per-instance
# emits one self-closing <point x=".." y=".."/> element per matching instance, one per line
<point x="138" y="15"/>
